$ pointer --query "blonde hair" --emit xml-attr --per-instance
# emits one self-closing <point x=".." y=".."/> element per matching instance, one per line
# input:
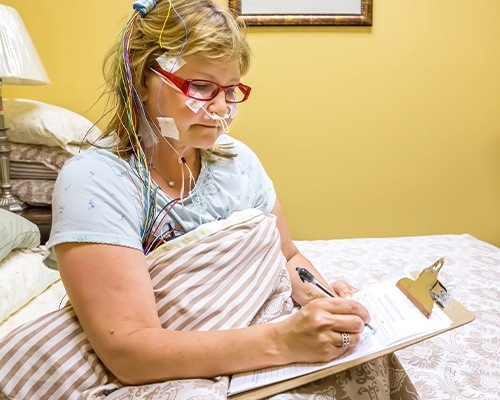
<point x="193" y="27"/>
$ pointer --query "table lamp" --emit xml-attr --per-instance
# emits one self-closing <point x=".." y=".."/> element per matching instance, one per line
<point x="19" y="65"/>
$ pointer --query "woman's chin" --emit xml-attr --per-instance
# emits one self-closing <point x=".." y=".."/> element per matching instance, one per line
<point x="203" y="137"/>
<point x="208" y="140"/>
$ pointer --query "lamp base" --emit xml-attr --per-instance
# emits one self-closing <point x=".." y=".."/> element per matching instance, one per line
<point x="8" y="200"/>
<point x="11" y="203"/>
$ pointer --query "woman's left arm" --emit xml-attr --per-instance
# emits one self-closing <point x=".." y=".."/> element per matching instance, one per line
<point x="303" y="292"/>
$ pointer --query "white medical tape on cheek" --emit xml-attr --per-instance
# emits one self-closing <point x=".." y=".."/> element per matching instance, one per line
<point x="170" y="64"/>
<point x="195" y="105"/>
<point x="168" y="129"/>
<point x="232" y="110"/>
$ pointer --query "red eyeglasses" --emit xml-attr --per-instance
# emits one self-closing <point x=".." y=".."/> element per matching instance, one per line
<point x="201" y="89"/>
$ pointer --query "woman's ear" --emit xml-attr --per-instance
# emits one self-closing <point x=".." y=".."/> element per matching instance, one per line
<point x="144" y="90"/>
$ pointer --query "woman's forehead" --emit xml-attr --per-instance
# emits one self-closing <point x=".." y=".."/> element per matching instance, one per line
<point x="209" y="68"/>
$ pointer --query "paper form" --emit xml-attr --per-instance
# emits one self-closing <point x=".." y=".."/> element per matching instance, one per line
<point x="394" y="317"/>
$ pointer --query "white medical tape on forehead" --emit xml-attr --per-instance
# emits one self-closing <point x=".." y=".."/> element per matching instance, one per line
<point x="170" y="64"/>
<point x="168" y="129"/>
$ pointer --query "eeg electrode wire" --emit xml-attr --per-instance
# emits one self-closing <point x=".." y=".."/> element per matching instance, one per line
<point x="127" y="92"/>
<point x="130" y="96"/>
<point x="130" y="119"/>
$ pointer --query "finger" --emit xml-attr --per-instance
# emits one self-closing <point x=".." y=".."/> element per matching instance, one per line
<point x="345" y="323"/>
<point x="343" y="288"/>
<point x="342" y="306"/>
<point x="332" y="315"/>
<point x="346" y="340"/>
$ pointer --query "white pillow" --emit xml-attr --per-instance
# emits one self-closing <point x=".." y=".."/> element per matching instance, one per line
<point x="16" y="232"/>
<point x="35" y="122"/>
<point x="22" y="277"/>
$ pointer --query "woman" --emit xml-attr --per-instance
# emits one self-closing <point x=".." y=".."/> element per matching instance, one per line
<point x="175" y="77"/>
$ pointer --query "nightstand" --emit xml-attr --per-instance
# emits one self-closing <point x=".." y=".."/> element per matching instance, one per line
<point x="41" y="217"/>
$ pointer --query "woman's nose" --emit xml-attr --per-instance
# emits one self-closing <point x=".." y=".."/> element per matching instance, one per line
<point x="218" y="104"/>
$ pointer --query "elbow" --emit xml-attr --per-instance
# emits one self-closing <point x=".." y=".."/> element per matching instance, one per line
<point x="123" y="359"/>
<point x="126" y="374"/>
<point x="129" y="370"/>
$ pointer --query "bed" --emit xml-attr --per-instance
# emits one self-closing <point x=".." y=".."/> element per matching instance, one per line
<point x="460" y="364"/>
<point x="27" y="287"/>
<point x="42" y="137"/>
<point x="456" y="365"/>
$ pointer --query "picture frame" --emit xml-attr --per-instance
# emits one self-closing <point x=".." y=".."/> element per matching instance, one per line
<point x="304" y="12"/>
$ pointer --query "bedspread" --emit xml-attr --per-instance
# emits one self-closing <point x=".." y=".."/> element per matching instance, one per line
<point x="457" y="365"/>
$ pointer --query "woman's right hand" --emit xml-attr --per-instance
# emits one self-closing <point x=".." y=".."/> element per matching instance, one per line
<point x="314" y="333"/>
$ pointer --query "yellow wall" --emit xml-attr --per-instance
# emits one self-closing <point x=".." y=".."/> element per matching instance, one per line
<point x="390" y="130"/>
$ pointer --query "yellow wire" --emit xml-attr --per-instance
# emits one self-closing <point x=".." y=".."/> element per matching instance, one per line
<point x="164" y="23"/>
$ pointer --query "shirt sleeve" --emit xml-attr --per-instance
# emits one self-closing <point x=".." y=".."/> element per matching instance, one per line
<point x="96" y="200"/>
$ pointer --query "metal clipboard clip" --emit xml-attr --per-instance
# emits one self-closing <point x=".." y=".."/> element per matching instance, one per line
<point x="426" y="289"/>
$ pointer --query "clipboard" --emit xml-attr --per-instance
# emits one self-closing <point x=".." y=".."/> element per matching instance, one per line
<point x="454" y="310"/>
<point x="423" y="292"/>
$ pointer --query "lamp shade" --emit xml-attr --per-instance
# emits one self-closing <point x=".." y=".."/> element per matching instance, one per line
<point x="19" y="61"/>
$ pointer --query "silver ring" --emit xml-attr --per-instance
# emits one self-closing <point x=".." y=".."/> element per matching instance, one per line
<point x="346" y="340"/>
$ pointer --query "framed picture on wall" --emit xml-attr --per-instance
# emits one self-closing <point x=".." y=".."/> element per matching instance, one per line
<point x="304" y="12"/>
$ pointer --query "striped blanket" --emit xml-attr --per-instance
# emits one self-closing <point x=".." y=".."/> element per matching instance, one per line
<point x="225" y="274"/>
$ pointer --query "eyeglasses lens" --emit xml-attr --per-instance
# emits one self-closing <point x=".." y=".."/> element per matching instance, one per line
<point x="205" y="90"/>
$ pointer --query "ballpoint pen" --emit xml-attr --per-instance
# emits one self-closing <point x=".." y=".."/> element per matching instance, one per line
<point x="306" y="276"/>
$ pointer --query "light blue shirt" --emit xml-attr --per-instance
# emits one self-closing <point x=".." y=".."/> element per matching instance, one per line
<point x="99" y="198"/>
